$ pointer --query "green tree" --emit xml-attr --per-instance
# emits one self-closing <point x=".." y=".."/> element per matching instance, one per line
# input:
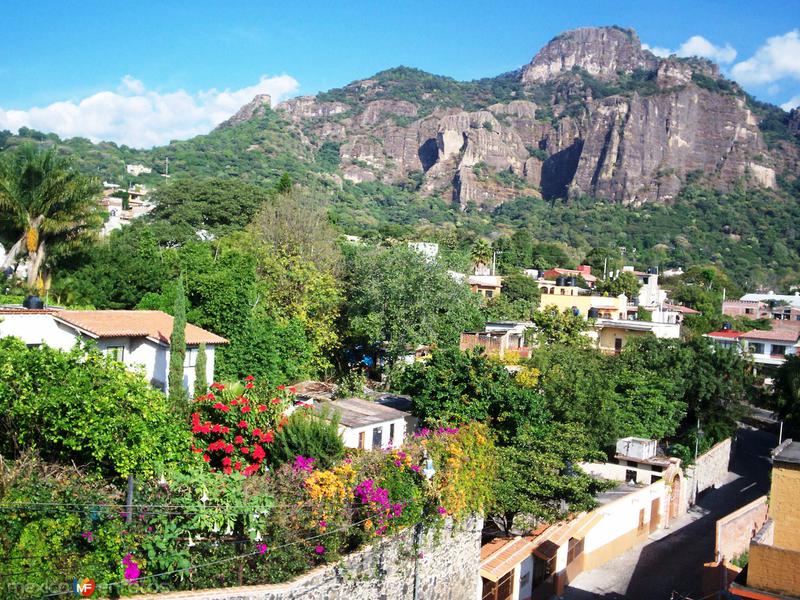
<point x="625" y="283"/>
<point x="603" y="260"/>
<point x="83" y="408"/>
<point x="219" y="206"/>
<point x="554" y="327"/>
<point x="314" y="436"/>
<point x="397" y="299"/>
<point x="47" y="208"/>
<point x="538" y="478"/>
<point x="117" y="272"/>
<point x="517" y="286"/>
<point x="200" y="377"/>
<point x="177" y="349"/>
<point x="481" y="253"/>
<point x="786" y="392"/>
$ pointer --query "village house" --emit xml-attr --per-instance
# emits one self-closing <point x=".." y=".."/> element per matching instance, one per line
<point x="767" y="348"/>
<point x="366" y="425"/>
<point x="542" y="564"/>
<point x="615" y="319"/>
<point x="488" y="286"/>
<point x="137" y="338"/>
<point x="584" y="271"/>
<point x="773" y="567"/>
<point x="499" y="338"/>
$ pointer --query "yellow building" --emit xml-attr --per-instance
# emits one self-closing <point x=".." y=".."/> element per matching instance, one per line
<point x="773" y="568"/>
<point x="567" y="297"/>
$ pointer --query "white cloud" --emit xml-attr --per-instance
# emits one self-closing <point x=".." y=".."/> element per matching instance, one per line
<point x="793" y="102"/>
<point x="778" y="58"/>
<point x="697" y="45"/>
<point x="658" y="50"/>
<point x="141" y="118"/>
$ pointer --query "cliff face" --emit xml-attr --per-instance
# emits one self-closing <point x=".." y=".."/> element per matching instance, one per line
<point x="603" y="52"/>
<point x="593" y="113"/>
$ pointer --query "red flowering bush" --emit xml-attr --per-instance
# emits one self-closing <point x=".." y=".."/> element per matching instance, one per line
<point x="234" y="424"/>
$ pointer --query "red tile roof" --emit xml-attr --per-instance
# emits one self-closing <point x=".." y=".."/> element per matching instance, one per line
<point x="681" y="309"/>
<point x="153" y="324"/>
<point x="726" y="334"/>
<point x="778" y="334"/>
<point x="502" y="555"/>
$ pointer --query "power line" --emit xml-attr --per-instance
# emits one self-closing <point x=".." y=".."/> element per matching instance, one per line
<point x="224" y="560"/>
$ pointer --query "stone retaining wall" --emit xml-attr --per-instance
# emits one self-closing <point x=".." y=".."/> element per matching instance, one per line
<point x="710" y="469"/>
<point x="446" y="568"/>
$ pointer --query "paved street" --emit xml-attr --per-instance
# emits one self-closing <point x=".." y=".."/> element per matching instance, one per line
<point x="672" y="560"/>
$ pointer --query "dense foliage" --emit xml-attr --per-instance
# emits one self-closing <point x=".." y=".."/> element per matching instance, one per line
<point x="84" y="407"/>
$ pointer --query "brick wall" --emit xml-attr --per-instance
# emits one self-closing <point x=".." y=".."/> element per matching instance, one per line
<point x="774" y="569"/>
<point x="446" y="569"/>
<point x="785" y="504"/>
<point x="735" y="530"/>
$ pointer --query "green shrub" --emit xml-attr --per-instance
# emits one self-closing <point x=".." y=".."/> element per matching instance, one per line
<point x="83" y="407"/>
<point x="305" y="434"/>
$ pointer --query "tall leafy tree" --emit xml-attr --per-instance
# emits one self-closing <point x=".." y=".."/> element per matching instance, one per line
<point x="398" y="300"/>
<point x="177" y="349"/>
<point x="46" y="207"/>
<point x="481" y="253"/>
<point x="200" y="378"/>
<point x="786" y="392"/>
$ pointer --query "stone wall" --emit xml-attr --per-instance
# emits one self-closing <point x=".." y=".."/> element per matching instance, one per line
<point x="710" y="469"/>
<point x="735" y="530"/>
<point x="446" y="568"/>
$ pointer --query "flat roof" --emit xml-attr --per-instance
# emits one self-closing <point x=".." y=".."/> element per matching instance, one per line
<point x="355" y="412"/>
<point x="623" y="489"/>
<point x="789" y="454"/>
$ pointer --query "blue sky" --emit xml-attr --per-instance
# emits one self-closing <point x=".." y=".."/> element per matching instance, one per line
<point x="188" y="64"/>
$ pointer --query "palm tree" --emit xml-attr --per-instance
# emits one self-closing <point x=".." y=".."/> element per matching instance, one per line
<point x="45" y="207"/>
<point x="481" y="252"/>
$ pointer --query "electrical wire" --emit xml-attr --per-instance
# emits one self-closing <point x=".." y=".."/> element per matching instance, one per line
<point x="223" y="560"/>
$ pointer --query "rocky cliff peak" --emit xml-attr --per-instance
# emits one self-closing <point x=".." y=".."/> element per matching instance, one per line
<point x="600" y="51"/>
<point x="253" y="109"/>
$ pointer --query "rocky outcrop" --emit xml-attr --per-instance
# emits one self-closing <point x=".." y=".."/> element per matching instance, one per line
<point x="610" y="120"/>
<point x="600" y="51"/>
<point x="252" y="110"/>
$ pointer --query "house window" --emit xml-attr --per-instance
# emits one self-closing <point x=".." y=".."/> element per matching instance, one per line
<point x="630" y="475"/>
<point x="377" y="437"/>
<point x="748" y="311"/>
<point x="191" y="357"/>
<point x="779" y="349"/>
<point x="361" y="439"/>
<point x="391" y="434"/>
<point x="755" y="347"/>
<point x="115" y="352"/>
<point x="575" y="549"/>
<point x="489" y="293"/>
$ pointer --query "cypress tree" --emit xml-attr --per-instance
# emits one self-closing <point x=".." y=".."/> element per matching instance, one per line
<point x="177" y="348"/>
<point x="200" y="381"/>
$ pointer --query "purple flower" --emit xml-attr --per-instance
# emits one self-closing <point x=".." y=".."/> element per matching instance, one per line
<point x="262" y="548"/>
<point x="442" y="510"/>
<point x="302" y="463"/>
<point x="398" y="463"/>
<point x="424" y="432"/>
<point x="87" y="535"/>
<point x="131" y="568"/>
<point x="319" y="549"/>
<point x="323" y="523"/>
<point x="415" y="468"/>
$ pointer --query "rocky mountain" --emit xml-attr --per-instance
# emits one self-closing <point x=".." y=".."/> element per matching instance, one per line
<point x="592" y="114"/>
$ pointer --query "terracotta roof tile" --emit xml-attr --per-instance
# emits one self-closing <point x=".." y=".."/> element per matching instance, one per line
<point x="505" y="557"/>
<point x="153" y="324"/>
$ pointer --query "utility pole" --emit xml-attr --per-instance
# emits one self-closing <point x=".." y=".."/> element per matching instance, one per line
<point x="780" y="435"/>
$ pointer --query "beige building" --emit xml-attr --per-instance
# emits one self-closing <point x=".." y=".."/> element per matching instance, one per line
<point x="773" y="568"/>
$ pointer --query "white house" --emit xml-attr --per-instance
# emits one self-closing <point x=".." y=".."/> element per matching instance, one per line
<point x="367" y="425"/>
<point x="767" y="348"/>
<point x="137" y="338"/>
<point x="137" y="170"/>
